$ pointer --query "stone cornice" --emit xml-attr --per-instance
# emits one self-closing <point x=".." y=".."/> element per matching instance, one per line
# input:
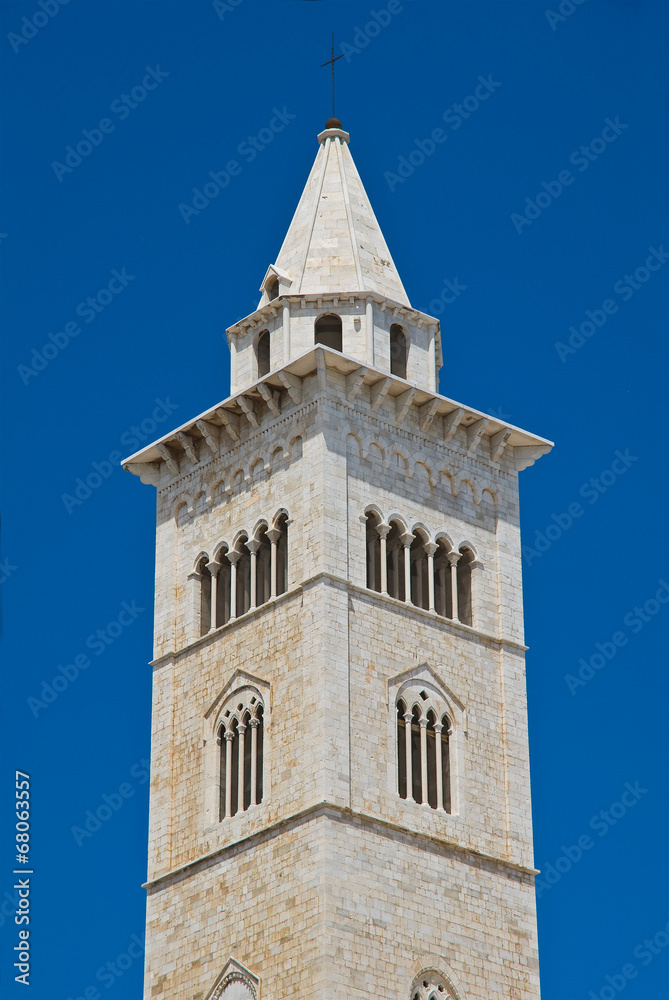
<point x="186" y="448"/>
<point x="468" y="855"/>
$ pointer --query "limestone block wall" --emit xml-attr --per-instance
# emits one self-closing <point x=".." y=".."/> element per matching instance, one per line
<point x="348" y="901"/>
<point x="337" y="906"/>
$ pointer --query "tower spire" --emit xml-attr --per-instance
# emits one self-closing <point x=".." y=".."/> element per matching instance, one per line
<point x="331" y="62"/>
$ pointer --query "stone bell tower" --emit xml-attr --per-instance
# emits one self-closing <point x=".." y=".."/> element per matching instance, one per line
<point x="340" y="795"/>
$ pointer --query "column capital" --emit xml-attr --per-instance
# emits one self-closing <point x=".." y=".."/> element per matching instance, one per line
<point x="422" y="722"/>
<point x="408" y="717"/>
<point x="254" y="722"/>
<point x="407" y="538"/>
<point x="382" y="529"/>
<point x="213" y="567"/>
<point x="234" y="556"/>
<point x="430" y="548"/>
<point x="274" y="535"/>
<point x="454" y="557"/>
<point x="253" y="545"/>
<point x="228" y="735"/>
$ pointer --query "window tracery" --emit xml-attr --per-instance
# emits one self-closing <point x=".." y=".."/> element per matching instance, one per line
<point x="411" y="567"/>
<point x="243" y="576"/>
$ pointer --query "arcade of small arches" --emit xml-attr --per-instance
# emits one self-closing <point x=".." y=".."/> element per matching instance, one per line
<point x="328" y="333"/>
<point x="240" y="737"/>
<point x="243" y="576"/>
<point x="424" y="730"/>
<point x="411" y="567"/>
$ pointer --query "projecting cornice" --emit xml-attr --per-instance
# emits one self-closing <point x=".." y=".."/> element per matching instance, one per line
<point x="222" y="427"/>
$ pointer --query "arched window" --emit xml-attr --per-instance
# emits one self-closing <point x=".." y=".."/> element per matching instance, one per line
<point x="241" y="739"/>
<point x="272" y="287"/>
<point x="431" y="985"/>
<point x="443" y="599"/>
<point x="465" y="585"/>
<point x="263" y="566"/>
<point x="401" y="750"/>
<point x="327" y="331"/>
<point x="281" y="526"/>
<point x="205" y="595"/>
<point x="419" y="573"/>
<point x="398" y="351"/>
<point x="222" y="589"/>
<point x="423" y="750"/>
<point x="373" y="552"/>
<point x="395" y="561"/>
<point x="263" y="353"/>
<point x="243" y="574"/>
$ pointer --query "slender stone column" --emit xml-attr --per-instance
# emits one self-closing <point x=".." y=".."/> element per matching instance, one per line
<point x="253" y="545"/>
<point x="408" y="716"/>
<point x="383" y="530"/>
<point x="454" y="558"/>
<point x="406" y="539"/>
<point x="423" y="761"/>
<point x="233" y="558"/>
<point x="240" y="769"/>
<point x="229" y="737"/>
<point x="213" y="568"/>
<point x="273" y="534"/>
<point x="254" y="723"/>
<point x="440" y="777"/>
<point x="430" y="549"/>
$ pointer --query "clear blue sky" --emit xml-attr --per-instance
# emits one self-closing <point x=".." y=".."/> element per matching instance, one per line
<point x="69" y="568"/>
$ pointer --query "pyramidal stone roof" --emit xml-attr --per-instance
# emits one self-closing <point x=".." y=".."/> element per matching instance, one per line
<point x="334" y="242"/>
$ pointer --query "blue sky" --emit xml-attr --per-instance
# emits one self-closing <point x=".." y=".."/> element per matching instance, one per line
<point x="544" y="241"/>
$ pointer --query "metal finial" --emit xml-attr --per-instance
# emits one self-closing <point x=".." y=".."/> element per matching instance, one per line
<point x="332" y="61"/>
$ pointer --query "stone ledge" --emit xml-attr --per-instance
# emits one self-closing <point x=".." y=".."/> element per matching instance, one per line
<point x="375" y="596"/>
<point x="469" y="855"/>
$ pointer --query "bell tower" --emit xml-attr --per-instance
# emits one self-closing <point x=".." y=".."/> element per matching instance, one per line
<point x="340" y="795"/>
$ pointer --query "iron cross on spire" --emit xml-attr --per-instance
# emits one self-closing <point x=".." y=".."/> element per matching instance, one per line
<point x="332" y="61"/>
